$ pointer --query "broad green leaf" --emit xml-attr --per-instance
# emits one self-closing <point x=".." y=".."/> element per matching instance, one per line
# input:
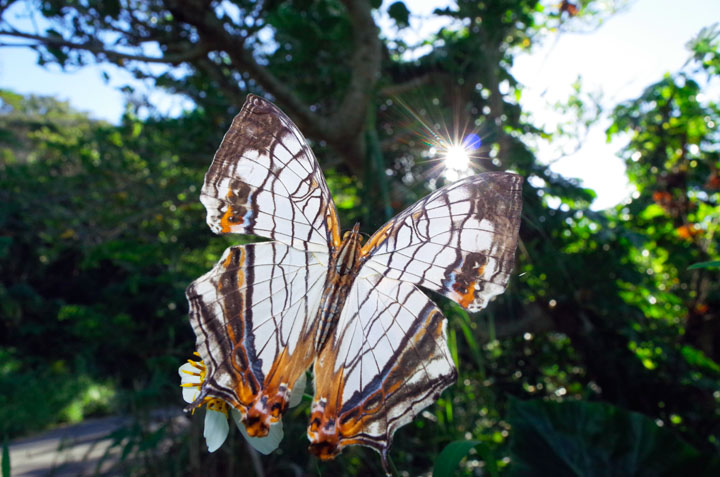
<point x="581" y="438"/>
<point x="450" y="457"/>
<point x="709" y="264"/>
<point x="447" y="462"/>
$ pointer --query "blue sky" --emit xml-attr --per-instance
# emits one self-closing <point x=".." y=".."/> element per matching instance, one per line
<point x="630" y="51"/>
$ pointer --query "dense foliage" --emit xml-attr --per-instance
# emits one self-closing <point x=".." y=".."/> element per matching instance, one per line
<point x="603" y="353"/>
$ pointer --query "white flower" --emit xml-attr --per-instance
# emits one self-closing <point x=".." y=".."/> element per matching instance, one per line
<point x="192" y="375"/>
<point x="216" y="424"/>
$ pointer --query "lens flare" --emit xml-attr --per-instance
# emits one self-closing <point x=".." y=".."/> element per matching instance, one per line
<point x="457" y="158"/>
<point x="456" y="153"/>
<point x="472" y="141"/>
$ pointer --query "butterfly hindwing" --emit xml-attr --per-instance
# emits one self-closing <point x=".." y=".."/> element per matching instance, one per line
<point x="387" y="360"/>
<point x="252" y="316"/>
<point x="459" y="241"/>
<point x="265" y="180"/>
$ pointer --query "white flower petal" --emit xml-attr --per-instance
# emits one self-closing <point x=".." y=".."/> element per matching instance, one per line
<point x="189" y="374"/>
<point x="190" y="394"/>
<point x="298" y="390"/>
<point x="216" y="429"/>
<point x="263" y="445"/>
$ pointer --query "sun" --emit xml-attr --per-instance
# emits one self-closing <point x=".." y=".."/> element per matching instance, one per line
<point x="457" y="158"/>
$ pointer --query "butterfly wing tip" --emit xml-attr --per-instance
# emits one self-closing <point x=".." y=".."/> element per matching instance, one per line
<point x="259" y="104"/>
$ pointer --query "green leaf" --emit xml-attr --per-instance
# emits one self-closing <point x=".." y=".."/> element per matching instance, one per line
<point x="709" y="264"/>
<point x="448" y="460"/>
<point x="594" y="439"/>
<point x="697" y="358"/>
<point x="450" y="457"/>
<point x="399" y="12"/>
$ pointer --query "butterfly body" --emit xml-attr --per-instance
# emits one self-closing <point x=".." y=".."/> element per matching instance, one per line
<point x="342" y="270"/>
<point x="267" y="312"/>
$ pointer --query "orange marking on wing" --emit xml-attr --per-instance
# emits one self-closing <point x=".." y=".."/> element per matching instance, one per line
<point x="376" y="240"/>
<point x="439" y="330"/>
<point x="225" y="225"/>
<point x="243" y="389"/>
<point x="241" y="270"/>
<point x="467" y="296"/>
<point x="228" y="221"/>
<point x="323" y="430"/>
<point x="272" y="401"/>
<point x="329" y="431"/>
<point x="334" y="226"/>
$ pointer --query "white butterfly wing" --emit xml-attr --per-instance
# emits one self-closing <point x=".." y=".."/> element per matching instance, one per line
<point x="265" y="180"/>
<point x="253" y="312"/>
<point x="252" y="316"/>
<point x="459" y="241"/>
<point x="387" y="360"/>
<point x="388" y="357"/>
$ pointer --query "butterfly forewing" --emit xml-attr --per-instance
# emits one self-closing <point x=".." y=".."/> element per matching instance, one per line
<point x="459" y="241"/>
<point x="265" y="180"/>
<point x="388" y="359"/>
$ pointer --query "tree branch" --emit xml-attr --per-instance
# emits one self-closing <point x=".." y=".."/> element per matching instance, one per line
<point x="342" y="128"/>
<point x="99" y="48"/>
<point x="365" y="62"/>
<point x="413" y="83"/>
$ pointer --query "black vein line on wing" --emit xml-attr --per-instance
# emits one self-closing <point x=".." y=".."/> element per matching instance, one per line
<point x="284" y="312"/>
<point x="440" y="286"/>
<point x="356" y="318"/>
<point x="241" y="289"/>
<point x="277" y="180"/>
<point x="247" y="284"/>
<point x="499" y="258"/>
<point x="250" y="334"/>
<point x="363" y="350"/>
<point x="370" y="350"/>
<point x="292" y="131"/>
<point x="407" y="339"/>
<point x="412" y="325"/>
<point x="413" y="315"/>
<point x="377" y="313"/>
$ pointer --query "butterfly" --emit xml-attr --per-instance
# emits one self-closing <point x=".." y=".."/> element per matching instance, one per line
<point x="310" y="297"/>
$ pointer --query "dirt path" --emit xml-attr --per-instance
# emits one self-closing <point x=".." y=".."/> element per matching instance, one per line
<point x="74" y="450"/>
